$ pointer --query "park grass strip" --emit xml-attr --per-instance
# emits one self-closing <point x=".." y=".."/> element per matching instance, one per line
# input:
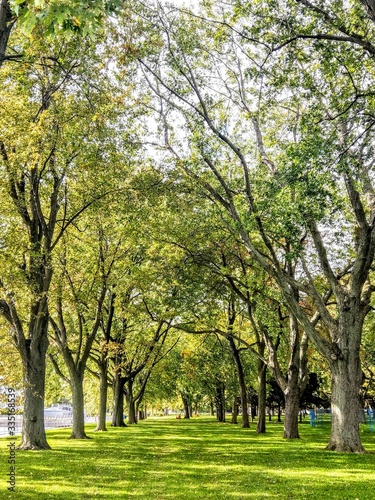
<point x="173" y="459"/>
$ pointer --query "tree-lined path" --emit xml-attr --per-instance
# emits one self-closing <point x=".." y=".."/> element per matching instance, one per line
<point x="169" y="459"/>
<point x="187" y="221"/>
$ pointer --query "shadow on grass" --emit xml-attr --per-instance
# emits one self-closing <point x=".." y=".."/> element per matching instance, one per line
<point x="171" y="459"/>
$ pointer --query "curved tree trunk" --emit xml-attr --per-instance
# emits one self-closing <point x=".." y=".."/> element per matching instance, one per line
<point x="76" y="376"/>
<point x="34" y="368"/>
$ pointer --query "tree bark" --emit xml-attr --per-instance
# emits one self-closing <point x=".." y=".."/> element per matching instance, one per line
<point x="118" y="401"/>
<point x="103" y="394"/>
<point x="78" y="429"/>
<point x="234" y="411"/>
<point x="370" y="8"/>
<point x="220" y="401"/>
<point x="141" y="414"/>
<point x="291" y="413"/>
<point x="185" y="402"/>
<point x="345" y="407"/>
<point x="346" y="383"/>
<point x="130" y="403"/>
<point x="131" y="411"/>
<point x="6" y="24"/>
<point x="33" y="430"/>
<point x="292" y="385"/>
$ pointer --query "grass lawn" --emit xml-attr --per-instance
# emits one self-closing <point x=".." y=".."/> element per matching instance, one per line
<point x="173" y="459"/>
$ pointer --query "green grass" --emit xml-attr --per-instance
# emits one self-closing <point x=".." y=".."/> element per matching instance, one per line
<point x="174" y="459"/>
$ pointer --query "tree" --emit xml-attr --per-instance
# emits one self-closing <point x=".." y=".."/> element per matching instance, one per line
<point x="48" y="146"/>
<point x="101" y="359"/>
<point x="237" y="360"/>
<point x="77" y="319"/>
<point x="46" y="19"/>
<point x="7" y="21"/>
<point x="286" y="194"/>
<point x="135" y="340"/>
<point x="211" y="266"/>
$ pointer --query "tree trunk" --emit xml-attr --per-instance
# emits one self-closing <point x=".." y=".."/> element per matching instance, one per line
<point x="141" y="414"/>
<point x="220" y="401"/>
<point x="291" y="413"/>
<point x="118" y="401"/>
<point x="78" y="430"/>
<point x="346" y="380"/>
<point x="34" y="370"/>
<point x="131" y="410"/>
<point x="130" y="403"/>
<point x="253" y="411"/>
<point x="235" y="411"/>
<point x="212" y="407"/>
<point x="6" y="24"/>
<point x="292" y="398"/>
<point x="262" y="393"/>
<point x="241" y="382"/>
<point x="370" y="8"/>
<point x="103" y="394"/>
<point x="346" y="377"/>
<point x="186" y="406"/>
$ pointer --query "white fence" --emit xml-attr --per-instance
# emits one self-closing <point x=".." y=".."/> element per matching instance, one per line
<point x="49" y="422"/>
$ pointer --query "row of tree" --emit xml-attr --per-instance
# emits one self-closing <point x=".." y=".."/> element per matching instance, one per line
<point x="209" y="170"/>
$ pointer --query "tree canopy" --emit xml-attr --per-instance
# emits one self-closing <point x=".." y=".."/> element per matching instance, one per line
<point x="188" y="201"/>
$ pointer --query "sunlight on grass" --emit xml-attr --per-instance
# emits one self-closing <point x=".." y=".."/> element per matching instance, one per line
<point x="169" y="459"/>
